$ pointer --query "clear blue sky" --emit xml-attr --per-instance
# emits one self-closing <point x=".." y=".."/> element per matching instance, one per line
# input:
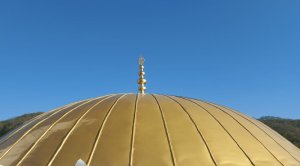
<point x="242" y="54"/>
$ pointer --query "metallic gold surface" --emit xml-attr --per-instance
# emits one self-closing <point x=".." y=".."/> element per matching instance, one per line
<point x="145" y="130"/>
<point x="142" y="81"/>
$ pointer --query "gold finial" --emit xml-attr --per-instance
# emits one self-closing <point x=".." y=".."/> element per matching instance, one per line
<point x="142" y="81"/>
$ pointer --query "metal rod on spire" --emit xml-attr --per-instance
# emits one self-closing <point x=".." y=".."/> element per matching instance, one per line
<point x="142" y="81"/>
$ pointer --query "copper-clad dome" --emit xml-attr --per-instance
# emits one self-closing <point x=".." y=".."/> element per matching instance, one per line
<point x="145" y="130"/>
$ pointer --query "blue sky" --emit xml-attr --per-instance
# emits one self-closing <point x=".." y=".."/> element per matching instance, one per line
<point x="242" y="54"/>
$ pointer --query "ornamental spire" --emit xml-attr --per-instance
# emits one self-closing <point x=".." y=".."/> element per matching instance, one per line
<point x="142" y="81"/>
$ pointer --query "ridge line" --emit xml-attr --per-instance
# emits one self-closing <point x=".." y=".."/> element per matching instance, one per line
<point x="101" y="129"/>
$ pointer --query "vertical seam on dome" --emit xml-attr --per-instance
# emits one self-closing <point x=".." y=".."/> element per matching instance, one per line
<point x="192" y="120"/>
<point x="35" y="119"/>
<point x="133" y="132"/>
<point x="222" y="127"/>
<point x="246" y="118"/>
<point x="246" y="130"/>
<point x="26" y="124"/>
<point x="101" y="129"/>
<point x="278" y="135"/>
<point x="53" y="124"/>
<point x="274" y="132"/>
<point x="66" y="137"/>
<point x="4" y="154"/>
<point x="200" y="134"/>
<point x="166" y="131"/>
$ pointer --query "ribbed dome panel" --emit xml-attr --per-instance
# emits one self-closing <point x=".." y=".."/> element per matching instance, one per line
<point x="145" y="130"/>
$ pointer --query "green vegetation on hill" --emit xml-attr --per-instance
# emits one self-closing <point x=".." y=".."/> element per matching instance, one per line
<point x="10" y="124"/>
<point x="288" y="128"/>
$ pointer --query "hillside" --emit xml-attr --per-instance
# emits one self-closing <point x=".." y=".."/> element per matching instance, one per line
<point x="10" y="124"/>
<point x="288" y="128"/>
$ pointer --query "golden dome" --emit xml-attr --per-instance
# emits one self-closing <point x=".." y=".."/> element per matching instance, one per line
<point x="145" y="130"/>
